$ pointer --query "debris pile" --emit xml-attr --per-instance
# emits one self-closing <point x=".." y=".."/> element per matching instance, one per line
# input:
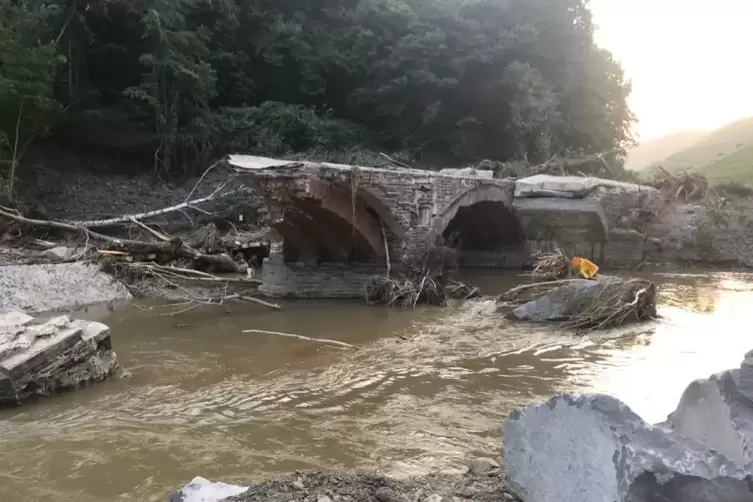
<point x="552" y="267"/>
<point x="426" y="275"/>
<point x="134" y="248"/>
<point x="590" y="303"/>
<point x="685" y="187"/>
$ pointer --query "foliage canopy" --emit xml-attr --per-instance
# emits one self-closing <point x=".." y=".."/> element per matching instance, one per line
<point x="179" y="81"/>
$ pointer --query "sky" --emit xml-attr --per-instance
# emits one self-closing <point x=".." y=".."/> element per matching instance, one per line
<point x="690" y="61"/>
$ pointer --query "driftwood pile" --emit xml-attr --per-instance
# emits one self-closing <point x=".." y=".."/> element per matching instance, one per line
<point x="685" y="187"/>
<point x="552" y="267"/>
<point x="426" y="275"/>
<point x="582" y="304"/>
<point x="591" y="165"/>
<point x="133" y="250"/>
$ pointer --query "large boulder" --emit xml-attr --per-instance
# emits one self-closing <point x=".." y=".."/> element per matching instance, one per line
<point x="202" y="490"/>
<point x="560" y="303"/>
<point x="593" y="448"/>
<point x="718" y="411"/>
<point x="604" y="302"/>
<point x="40" y="358"/>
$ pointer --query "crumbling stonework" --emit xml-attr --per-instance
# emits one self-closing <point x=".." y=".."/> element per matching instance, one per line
<point x="41" y="358"/>
<point x="329" y="213"/>
<point x="412" y="203"/>
<point x="327" y="280"/>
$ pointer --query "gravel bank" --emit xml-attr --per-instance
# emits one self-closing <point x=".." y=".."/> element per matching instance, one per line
<point x="41" y="288"/>
<point x="484" y="485"/>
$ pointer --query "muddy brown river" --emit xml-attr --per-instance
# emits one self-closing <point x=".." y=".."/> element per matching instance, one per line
<point x="206" y="399"/>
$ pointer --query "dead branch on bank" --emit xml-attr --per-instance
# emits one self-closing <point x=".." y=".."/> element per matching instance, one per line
<point x="685" y="187"/>
<point x="426" y="275"/>
<point x="188" y="204"/>
<point x="174" y="247"/>
<point x="301" y="337"/>
<point x="172" y="278"/>
<point x="187" y="274"/>
<point x="589" y="165"/>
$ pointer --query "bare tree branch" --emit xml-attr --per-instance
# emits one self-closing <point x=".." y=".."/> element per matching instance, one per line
<point x="301" y="337"/>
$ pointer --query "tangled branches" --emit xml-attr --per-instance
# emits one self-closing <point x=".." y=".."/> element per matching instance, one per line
<point x="685" y="187"/>
<point x="615" y="303"/>
<point x="426" y="275"/>
<point x="551" y="267"/>
<point x="585" y="305"/>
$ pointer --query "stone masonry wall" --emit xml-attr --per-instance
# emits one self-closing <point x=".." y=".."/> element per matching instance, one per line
<point x="413" y="203"/>
<point x="326" y="280"/>
<point x="624" y="249"/>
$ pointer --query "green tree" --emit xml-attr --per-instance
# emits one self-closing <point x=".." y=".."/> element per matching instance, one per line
<point x="180" y="82"/>
<point x="446" y="80"/>
<point x="28" y="66"/>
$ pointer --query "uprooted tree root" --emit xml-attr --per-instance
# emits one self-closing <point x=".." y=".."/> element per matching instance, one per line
<point x="425" y="276"/>
<point x="552" y="267"/>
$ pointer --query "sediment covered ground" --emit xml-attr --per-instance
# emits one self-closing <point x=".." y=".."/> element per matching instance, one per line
<point x="480" y="484"/>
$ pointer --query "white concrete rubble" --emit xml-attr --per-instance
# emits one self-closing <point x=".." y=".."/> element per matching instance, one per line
<point x="202" y="490"/>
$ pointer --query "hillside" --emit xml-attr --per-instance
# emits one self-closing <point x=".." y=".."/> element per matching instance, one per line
<point x="737" y="166"/>
<point x="655" y="150"/>
<point x="723" y="155"/>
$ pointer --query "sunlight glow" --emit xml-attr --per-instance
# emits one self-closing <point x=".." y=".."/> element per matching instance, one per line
<point x="690" y="61"/>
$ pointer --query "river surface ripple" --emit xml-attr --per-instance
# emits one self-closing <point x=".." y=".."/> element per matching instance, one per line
<point x="206" y="399"/>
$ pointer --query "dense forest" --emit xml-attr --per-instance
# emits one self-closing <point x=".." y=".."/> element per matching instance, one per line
<point x="177" y="82"/>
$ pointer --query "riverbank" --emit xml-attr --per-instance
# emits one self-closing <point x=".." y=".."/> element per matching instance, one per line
<point x="638" y="227"/>
<point x="484" y="482"/>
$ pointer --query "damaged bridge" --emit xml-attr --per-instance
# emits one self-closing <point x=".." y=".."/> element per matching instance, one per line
<point x="336" y="225"/>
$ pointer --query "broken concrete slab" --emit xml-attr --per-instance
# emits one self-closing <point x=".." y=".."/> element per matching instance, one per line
<point x="41" y="358"/>
<point x="718" y="411"/>
<point x="563" y="220"/>
<point x="202" y="490"/>
<point x="577" y="187"/>
<point x="467" y="172"/>
<point x="594" y="448"/>
<point x="59" y="253"/>
<point x="40" y="288"/>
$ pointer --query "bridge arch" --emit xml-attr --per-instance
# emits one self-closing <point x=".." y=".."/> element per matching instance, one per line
<point x="481" y="219"/>
<point x="329" y="224"/>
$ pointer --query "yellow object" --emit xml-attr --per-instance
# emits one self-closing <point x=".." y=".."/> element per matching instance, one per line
<point x="588" y="269"/>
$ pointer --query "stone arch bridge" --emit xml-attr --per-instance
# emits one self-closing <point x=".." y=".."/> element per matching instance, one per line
<point x="337" y="224"/>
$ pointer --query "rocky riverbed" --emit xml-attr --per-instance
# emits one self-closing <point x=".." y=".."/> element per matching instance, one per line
<point x="573" y="448"/>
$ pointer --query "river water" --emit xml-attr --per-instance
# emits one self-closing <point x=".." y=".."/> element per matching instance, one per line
<point x="206" y="399"/>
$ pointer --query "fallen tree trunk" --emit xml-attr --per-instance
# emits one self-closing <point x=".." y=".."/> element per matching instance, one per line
<point x="128" y="218"/>
<point x="176" y="247"/>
